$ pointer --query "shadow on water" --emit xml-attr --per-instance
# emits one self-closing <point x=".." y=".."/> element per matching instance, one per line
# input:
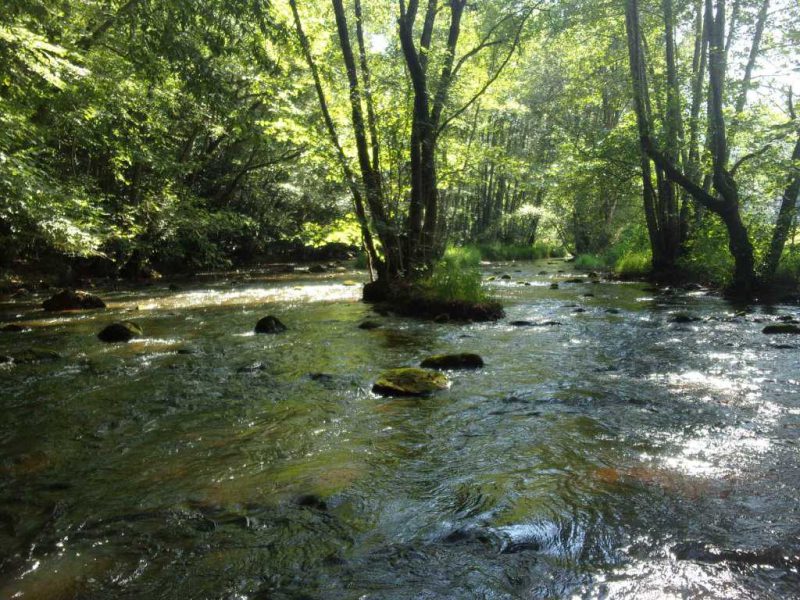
<point x="620" y="442"/>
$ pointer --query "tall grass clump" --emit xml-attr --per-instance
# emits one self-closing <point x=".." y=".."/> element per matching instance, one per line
<point x="589" y="262"/>
<point x="633" y="264"/>
<point x="456" y="277"/>
<point x="497" y="251"/>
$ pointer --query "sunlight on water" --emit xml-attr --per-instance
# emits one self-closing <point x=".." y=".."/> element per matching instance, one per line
<point x="256" y="295"/>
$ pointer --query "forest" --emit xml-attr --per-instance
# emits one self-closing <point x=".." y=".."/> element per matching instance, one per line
<point x="646" y="138"/>
<point x="399" y="299"/>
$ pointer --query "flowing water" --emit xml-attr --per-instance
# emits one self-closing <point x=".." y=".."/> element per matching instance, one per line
<point x="615" y="454"/>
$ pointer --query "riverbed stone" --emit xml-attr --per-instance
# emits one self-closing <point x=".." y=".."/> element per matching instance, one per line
<point x="781" y="328"/>
<point x="12" y="328"/>
<point x="73" y="300"/>
<point x="270" y="324"/>
<point x="317" y="269"/>
<point x="683" y="318"/>
<point x="32" y="355"/>
<point x="463" y="360"/>
<point x="123" y="331"/>
<point x="368" y="325"/>
<point x="409" y="381"/>
<point x="553" y="286"/>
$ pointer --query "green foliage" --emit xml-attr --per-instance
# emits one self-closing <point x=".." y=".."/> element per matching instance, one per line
<point x="497" y="251"/>
<point x="589" y="262"/>
<point x="708" y="258"/>
<point x="788" y="272"/>
<point x="634" y="264"/>
<point x="456" y="277"/>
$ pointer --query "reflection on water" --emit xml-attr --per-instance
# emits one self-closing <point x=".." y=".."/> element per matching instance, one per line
<point x="204" y="461"/>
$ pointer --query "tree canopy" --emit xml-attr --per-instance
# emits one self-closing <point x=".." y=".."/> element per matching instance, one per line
<point x="201" y="135"/>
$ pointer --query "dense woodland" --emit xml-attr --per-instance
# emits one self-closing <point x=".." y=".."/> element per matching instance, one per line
<point x="637" y="135"/>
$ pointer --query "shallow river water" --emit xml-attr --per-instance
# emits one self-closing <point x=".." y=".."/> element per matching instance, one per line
<point x="615" y="454"/>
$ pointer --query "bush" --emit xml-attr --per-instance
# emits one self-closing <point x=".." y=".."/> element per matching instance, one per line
<point x="633" y="264"/>
<point x="789" y="268"/>
<point x="589" y="262"/>
<point x="456" y="277"/>
<point x="498" y="251"/>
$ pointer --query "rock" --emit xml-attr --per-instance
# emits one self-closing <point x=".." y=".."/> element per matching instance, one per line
<point x="186" y="350"/>
<point x="575" y="280"/>
<point x="340" y="269"/>
<point x="781" y="328"/>
<point x="787" y="319"/>
<point x="287" y="269"/>
<point x="32" y="355"/>
<point x="253" y="368"/>
<point x="369" y="325"/>
<point x="270" y="324"/>
<point x="593" y="275"/>
<point x="311" y="501"/>
<point x="579" y="310"/>
<point x="505" y="276"/>
<point x="693" y="287"/>
<point x="321" y="377"/>
<point x="124" y="331"/>
<point x="73" y="300"/>
<point x="542" y="272"/>
<point x="613" y="311"/>
<point x="6" y="359"/>
<point x="553" y="286"/>
<point x="12" y="328"/>
<point x="442" y="318"/>
<point x="409" y="381"/>
<point x="683" y="318"/>
<point x="589" y="295"/>
<point x="317" y="269"/>
<point x="174" y="287"/>
<point x="522" y="323"/>
<point x="463" y="360"/>
<point x="492" y="278"/>
<point x="349" y="282"/>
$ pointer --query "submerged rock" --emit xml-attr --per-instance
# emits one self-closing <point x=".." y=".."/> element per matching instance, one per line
<point x="124" y="331"/>
<point x="32" y="355"/>
<point x="73" y="300"/>
<point x="369" y="325"/>
<point x="270" y="324"/>
<point x="464" y="360"/>
<point x="317" y="269"/>
<point x="553" y="286"/>
<point x="505" y="276"/>
<point x="12" y="328"/>
<point x="781" y="328"/>
<point x="683" y="318"/>
<point x="409" y="381"/>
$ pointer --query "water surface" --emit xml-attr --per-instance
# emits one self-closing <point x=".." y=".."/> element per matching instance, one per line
<point x="204" y="461"/>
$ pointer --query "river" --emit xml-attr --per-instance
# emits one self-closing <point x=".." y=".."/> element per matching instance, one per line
<point x="604" y="451"/>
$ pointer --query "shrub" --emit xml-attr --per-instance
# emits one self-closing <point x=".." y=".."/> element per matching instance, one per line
<point x="589" y="262"/>
<point x="633" y="264"/>
<point x="456" y="277"/>
<point x="789" y="268"/>
<point x="498" y="251"/>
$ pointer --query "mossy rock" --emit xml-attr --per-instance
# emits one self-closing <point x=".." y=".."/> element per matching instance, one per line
<point x="270" y="324"/>
<point x="781" y="328"/>
<point x="464" y="360"/>
<point x="124" y="331"/>
<point x="553" y="286"/>
<point x="369" y="325"/>
<point x="409" y="381"/>
<point x="32" y="355"/>
<point x="505" y="276"/>
<point x="73" y="300"/>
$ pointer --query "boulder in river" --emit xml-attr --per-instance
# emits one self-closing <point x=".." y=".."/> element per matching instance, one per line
<point x="270" y="324"/>
<point x="409" y="381"/>
<point x="32" y="355"/>
<point x="73" y="300"/>
<point x="683" y="318"/>
<point x="123" y="331"/>
<point x="505" y="276"/>
<point x="12" y="328"/>
<point x="554" y="286"/>
<point x="463" y="360"/>
<point x="369" y="325"/>
<point x="317" y="269"/>
<point x="781" y="328"/>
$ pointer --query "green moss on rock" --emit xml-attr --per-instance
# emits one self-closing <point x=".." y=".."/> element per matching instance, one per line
<point x="409" y="381"/>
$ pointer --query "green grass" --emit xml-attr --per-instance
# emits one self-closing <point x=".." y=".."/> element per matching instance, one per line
<point x="457" y="277"/>
<point x="589" y="262"/>
<point x="498" y="251"/>
<point x="633" y="264"/>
